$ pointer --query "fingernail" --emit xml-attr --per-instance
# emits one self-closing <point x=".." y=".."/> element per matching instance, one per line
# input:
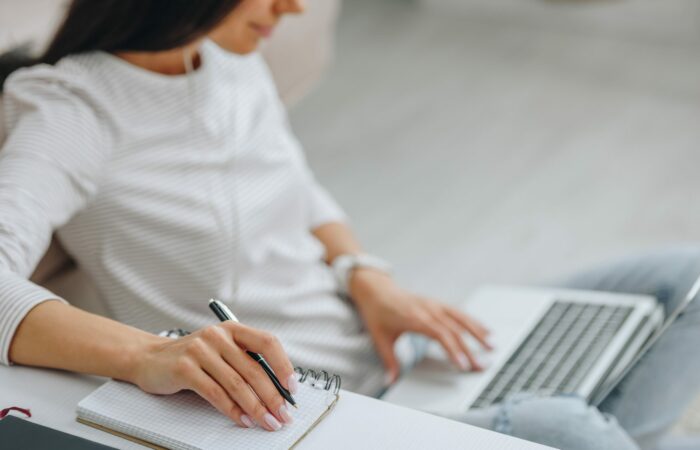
<point x="285" y="415"/>
<point x="293" y="384"/>
<point x="272" y="422"/>
<point x="247" y="421"/>
<point x="462" y="361"/>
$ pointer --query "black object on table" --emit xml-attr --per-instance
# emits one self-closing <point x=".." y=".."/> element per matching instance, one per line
<point x="21" y="434"/>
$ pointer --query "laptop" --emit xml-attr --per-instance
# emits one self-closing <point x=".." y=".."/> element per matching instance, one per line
<point x="546" y="341"/>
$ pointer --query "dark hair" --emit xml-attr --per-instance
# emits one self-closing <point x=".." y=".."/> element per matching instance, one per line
<point x="124" y="25"/>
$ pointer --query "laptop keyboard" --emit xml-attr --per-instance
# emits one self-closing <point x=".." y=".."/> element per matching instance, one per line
<point x="558" y="352"/>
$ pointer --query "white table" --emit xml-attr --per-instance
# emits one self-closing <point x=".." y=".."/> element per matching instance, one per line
<point x="356" y="422"/>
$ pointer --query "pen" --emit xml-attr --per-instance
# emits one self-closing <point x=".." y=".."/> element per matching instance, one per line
<point x="224" y="314"/>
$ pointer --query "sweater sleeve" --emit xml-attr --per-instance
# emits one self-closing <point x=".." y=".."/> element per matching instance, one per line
<point x="54" y="149"/>
<point x="322" y="207"/>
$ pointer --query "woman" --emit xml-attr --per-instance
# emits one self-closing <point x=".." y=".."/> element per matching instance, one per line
<point x="170" y="188"/>
<point x="153" y="143"/>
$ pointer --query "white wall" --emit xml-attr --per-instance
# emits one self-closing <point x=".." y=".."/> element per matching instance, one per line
<point x="672" y="21"/>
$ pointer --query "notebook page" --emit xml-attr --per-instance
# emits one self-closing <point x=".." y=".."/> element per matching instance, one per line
<point x="186" y="421"/>
<point x="360" y="422"/>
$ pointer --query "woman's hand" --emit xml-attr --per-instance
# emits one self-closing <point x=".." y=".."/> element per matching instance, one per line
<point x="389" y="311"/>
<point x="213" y="363"/>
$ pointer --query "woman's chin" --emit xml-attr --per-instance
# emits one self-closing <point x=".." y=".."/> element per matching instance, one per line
<point x="248" y="47"/>
<point x="241" y="47"/>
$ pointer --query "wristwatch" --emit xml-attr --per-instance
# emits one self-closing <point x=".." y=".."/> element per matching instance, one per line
<point x="344" y="265"/>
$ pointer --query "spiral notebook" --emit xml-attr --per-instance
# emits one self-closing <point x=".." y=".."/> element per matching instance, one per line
<point x="186" y="421"/>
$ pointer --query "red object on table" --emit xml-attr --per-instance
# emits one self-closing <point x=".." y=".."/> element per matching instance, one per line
<point x="6" y="411"/>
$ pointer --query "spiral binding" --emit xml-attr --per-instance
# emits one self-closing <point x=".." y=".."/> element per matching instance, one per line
<point x="174" y="333"/>
<point x="319" y="379"/>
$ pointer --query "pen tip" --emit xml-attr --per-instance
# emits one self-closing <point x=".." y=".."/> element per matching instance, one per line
<point x="296" y="406"/>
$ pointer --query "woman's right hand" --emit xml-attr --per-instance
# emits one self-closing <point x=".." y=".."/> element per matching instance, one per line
<point x="213" y="363"/>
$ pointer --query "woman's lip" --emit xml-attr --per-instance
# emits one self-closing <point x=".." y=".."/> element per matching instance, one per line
<point x="264" y="31"/>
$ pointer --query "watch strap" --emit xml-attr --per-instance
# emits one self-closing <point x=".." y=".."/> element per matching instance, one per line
<point x="344" y="265"/>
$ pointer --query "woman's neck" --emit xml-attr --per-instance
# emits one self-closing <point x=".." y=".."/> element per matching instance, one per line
<point x="166" y="62"/>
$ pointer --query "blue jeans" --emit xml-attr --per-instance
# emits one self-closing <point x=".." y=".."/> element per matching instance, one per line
<point x="651" y="397"/>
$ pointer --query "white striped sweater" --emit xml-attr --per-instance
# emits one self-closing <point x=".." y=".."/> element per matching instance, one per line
<point x="167" y="191"/>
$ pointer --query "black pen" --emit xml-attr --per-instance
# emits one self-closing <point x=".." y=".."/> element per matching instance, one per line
<point x="224" y="314"/>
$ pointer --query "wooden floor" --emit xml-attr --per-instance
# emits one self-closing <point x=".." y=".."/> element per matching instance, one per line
<point x="476" y="141"/>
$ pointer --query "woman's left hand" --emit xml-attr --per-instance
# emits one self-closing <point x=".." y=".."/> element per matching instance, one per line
<point x="389" y="311"/>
